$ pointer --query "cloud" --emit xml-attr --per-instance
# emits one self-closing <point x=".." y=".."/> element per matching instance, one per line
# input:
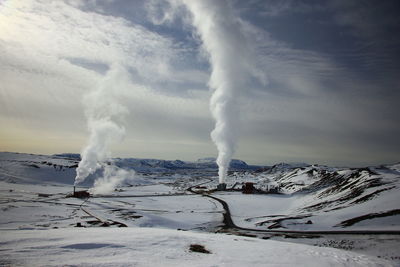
<point x="53" y="53"/>
<point x="327" y="100"/>
<point x="368" y="18"/>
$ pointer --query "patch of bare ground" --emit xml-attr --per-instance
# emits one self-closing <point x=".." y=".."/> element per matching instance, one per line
<point x="198" y="248"/>
<point x="277" y="223"/>
<point x="369" y="216"/>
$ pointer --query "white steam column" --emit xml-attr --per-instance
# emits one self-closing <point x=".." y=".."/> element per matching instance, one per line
<point x="105" y="118"/>
<point x="230" y="56"/>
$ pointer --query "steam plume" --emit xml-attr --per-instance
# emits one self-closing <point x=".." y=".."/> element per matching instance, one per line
<point x="230" y="55"/>
<point x="105" y="118"/>
<point x="111" y="178"/>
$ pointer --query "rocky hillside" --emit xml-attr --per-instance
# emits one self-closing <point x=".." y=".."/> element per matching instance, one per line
<point x="338" y="197"/>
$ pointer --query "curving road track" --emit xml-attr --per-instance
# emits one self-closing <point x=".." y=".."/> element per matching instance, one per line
<point x="229" y="223"/>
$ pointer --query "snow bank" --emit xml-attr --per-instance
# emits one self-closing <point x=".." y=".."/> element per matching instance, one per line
<point x="160" y="247"/>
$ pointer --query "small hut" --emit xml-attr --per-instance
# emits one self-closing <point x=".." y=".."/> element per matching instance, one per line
<point x="221" y="187"/>
<point x="248" y="188"/>
<point x="79" y="194"/>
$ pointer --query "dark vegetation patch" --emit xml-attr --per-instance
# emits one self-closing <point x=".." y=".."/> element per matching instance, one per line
<point x="326" y="179"/>
<point x="370" y="196"/>
<point x="198" y="248"/>
<point x="94" y="222"/>
<point x="301" y="236"/>
<point x="342" y="183"/>
<point x="265" y="216"/>
<point x="277" y="223"/>
<point x="33" y="165"/>
<point x="99" y="223"/>
<point x="43" y="195"/>
<point x="319" y="206"/>
<point x="340" y="244"/>
<point x="369" y="216"/>
<point x="246" y="235"/>
<point x="337" y="208"/>
<point x="334" y="182"/>
<point x="127" y="214"/>
<point x="354" y="185"/>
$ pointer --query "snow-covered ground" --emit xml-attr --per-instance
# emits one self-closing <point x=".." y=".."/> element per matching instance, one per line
<point x="319" y="198"/>
<point x="162" y="247"/>
<point x="38" y="223"/>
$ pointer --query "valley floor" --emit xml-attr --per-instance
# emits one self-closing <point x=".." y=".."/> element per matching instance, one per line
<point x="38" y="227"/>
<point x="154" y="221"/>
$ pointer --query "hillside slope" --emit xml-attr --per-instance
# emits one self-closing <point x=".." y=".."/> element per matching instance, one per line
<point x="320" y="197"/>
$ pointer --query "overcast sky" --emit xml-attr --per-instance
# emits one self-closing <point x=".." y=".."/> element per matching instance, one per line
<point x="330" y="90"/>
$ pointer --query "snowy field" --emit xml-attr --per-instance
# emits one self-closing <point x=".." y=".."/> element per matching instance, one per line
<point x="153" y="220"/>
<point x="162" y="247"/>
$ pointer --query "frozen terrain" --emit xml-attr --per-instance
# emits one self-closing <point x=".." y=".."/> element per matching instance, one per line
<point x="153" y="219"/>
<point x="161" y="247"/>
<point x="320" y="198"/>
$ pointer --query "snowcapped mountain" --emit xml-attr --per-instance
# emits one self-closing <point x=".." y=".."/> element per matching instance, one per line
<point x="61" y="167"/>
<point x="158" y="165"/>
<point x="235" y="164"/>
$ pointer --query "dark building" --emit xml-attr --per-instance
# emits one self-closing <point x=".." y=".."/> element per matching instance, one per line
<point x="248" y="188"/>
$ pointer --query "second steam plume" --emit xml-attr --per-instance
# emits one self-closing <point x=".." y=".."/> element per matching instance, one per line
<point x="105" y="119"/>
<point x="223" y="37"/>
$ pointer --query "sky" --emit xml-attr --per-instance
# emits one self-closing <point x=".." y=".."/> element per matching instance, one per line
<point x="327" y="89"/>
